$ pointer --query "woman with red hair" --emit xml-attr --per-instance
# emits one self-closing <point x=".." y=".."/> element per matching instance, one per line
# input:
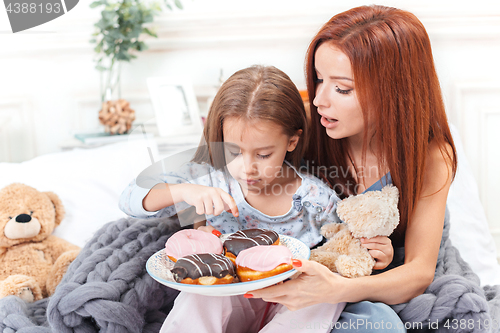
<point x="377" y="117"/>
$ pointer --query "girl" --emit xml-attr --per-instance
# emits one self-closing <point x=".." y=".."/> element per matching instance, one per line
<point x="245" y="177"/>
<point x="377" y="114"/>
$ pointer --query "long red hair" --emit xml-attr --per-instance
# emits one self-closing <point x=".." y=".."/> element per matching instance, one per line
<point x="396" y="83"/>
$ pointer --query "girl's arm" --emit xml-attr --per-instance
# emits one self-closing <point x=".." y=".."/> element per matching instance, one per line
<point x="423" y="237"/>
<point x="161" y="196"/>
<point x="207" y="200"/>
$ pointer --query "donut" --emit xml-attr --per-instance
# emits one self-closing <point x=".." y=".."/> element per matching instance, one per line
<point x="191" y="241"/>
<point x="260" y="262"/>
<point x="204" y="268"/>
<point x="244" y="239"/>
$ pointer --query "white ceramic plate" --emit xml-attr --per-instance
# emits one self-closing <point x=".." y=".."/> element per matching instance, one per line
<point x="159" y="266"/>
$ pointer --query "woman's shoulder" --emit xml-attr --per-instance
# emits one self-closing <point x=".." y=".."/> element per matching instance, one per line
<point x="438" y="167"/>
<point x="440" y="156"/>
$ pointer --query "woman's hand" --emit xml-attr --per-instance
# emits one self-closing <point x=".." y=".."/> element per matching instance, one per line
<point x="380" y="248"/>
<point x="207" y="200"/>
<point x="316" y="284"/>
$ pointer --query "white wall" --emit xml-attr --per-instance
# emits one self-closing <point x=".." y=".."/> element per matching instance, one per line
<point x="49" y="88"/>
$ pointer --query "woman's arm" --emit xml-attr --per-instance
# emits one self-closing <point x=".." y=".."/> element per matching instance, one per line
<point x="423" y="238"/>
<point x="398" y="285"/>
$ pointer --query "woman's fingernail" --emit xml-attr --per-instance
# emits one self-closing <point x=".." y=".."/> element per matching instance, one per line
<point x="248" y="295"/>
<point x="296" y="262"/>
<point x="216" y="232"/>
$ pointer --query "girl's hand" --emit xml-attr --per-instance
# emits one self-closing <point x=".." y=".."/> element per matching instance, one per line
<point x="316" y="284"/>
<point x="207" y="200"/>
<point x="380" y="248"/>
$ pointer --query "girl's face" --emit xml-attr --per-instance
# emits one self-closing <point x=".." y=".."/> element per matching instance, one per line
<point x="255" y="152"/>
<point x="336" y="98"/>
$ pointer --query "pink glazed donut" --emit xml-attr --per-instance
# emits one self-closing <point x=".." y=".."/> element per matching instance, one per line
<point x="263" y="261"/>
<point x="191" y="241"/>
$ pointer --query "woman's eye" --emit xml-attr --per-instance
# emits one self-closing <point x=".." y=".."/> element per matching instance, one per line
<point x="342" y="91"/>
<point x="319" y="81"/>
<point x="264" y="156"/>
<point x="234" y="154"/>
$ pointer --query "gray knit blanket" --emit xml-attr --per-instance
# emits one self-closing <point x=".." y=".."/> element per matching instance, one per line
<point x="107" y="289"/>
<point x="454" y="301"/>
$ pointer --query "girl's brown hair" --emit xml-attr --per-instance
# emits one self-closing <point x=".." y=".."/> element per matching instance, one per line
<point x="398" y="90"/>
<point x="254" y="93"/>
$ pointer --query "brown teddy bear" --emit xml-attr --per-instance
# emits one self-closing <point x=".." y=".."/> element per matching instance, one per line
<point x="374" y="213"/>
<point x="32" y="260"/>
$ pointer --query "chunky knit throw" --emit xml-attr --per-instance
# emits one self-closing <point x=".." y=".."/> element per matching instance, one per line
<point x="454" y="301"/>
<point x="106" y="289"/>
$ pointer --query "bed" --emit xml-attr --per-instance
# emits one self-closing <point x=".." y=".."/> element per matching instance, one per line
<point x="89" y="182"/>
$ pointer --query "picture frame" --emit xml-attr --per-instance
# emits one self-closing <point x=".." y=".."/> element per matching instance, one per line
<point x="175" y="106"/>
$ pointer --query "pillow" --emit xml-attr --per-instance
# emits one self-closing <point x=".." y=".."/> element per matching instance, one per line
<point x="88" y="181"/>
<point x="469" y="231"/>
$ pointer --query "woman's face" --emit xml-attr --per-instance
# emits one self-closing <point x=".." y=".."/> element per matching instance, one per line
<point x="336" y="98"/>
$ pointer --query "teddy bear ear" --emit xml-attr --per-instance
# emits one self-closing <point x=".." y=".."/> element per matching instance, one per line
<point x="57" y="205"/>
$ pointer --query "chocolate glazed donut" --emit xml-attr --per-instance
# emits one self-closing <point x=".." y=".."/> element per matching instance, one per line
<point x="244" y="239"/>
<point x="205" y="269"/>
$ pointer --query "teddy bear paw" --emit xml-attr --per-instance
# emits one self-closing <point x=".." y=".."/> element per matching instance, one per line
<point x="352" y="267"/>
<point x="22" y="286"/>
<point x="329" y="230"/>
<point x="26" y="294"/>
<point x="324" y="257"/>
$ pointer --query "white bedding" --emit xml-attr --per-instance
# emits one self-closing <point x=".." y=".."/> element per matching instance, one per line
<point x="90" y="181"/>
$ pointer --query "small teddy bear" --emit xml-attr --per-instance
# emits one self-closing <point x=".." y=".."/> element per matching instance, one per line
<point x="371" y="214"/>
<point x="32" y="260"/>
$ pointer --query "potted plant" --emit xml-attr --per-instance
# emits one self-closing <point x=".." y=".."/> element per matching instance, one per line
<point x="118" y="37"/>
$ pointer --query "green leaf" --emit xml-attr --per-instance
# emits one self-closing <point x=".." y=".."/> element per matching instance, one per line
<point x="103" y="24"/>
<point x="149" y="32"/>
<point x="109" y="39"/>
<point x="178" y="4"/>
<point x="133" y="11"/>
<point x="140" y="46"/>
<point x="123" y="56"/>
<point x="109" y="51"/>
<point x="116" y="34"/>
<point x="109" y="16"/>
<point x="135" y="32"/>
<point x="95" y="4"/>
